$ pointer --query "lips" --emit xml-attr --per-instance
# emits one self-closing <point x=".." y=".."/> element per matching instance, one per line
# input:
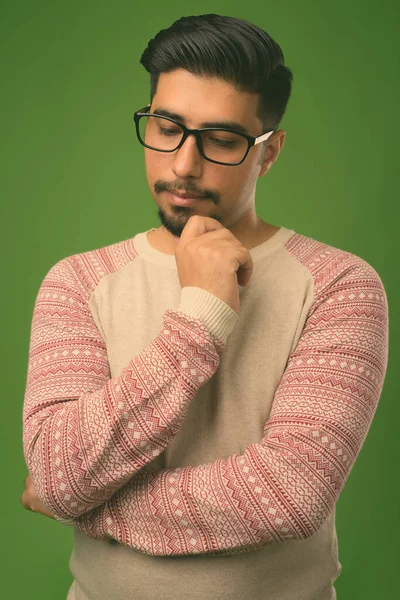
<point x="186" y="195"/>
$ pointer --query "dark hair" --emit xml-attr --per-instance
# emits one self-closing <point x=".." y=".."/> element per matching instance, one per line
<point x="232" y="49"/>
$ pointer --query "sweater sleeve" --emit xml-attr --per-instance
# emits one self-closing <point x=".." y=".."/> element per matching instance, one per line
<point x="285" y="486"/>
<point x="86" y="434"/>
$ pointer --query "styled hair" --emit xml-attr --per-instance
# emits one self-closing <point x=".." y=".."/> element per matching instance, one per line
<point x="228" y="48"/>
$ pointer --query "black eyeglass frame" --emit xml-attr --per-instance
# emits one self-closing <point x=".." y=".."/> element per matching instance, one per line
<point x="252" y="141"/>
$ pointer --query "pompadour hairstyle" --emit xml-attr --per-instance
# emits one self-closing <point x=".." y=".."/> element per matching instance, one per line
<point x="229" y="48"/>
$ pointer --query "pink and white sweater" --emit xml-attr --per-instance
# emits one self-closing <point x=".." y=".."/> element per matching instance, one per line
<point x="191" y="447"/>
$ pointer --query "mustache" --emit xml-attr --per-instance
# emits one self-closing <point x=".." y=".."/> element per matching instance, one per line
<point x="160" y="187"/>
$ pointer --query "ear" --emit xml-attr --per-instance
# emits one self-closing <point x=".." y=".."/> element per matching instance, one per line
<point x="274" y="146"/>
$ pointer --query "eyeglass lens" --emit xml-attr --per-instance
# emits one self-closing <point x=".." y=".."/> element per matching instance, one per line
<point x="219" y="145"/>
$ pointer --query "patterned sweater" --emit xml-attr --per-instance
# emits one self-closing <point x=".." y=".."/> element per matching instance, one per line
<point x="198" y="452"/>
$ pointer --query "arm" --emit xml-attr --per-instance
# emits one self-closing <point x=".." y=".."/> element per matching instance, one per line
<point x="285" y="486"/>
<point x="85" y="434"/>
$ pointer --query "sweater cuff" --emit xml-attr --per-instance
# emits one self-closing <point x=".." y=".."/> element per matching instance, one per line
<point x="217" y="316"/>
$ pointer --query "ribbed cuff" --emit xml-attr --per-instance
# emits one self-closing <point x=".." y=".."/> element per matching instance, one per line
<point x="216" y="315"/>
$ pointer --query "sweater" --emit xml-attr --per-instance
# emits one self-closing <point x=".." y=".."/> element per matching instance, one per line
<point x="199" y="453"/>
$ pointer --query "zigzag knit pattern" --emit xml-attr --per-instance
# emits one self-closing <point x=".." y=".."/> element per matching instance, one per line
<point x="88" y="438"/>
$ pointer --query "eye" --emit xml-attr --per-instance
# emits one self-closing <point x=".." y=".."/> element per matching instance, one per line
<point x="169" y="132"/>
<point x="224" y="143"/>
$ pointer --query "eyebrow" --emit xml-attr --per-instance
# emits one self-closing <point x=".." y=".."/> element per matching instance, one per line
<point x="225" y="124"/>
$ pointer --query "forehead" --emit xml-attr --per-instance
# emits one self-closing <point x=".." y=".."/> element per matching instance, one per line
<point x="201" y="99"/>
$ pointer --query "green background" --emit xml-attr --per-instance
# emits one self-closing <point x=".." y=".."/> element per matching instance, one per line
<point x="73" y="179"/>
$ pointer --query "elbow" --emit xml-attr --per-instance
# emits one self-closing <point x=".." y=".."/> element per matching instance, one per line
<point x="301" y="525"/>
<point x="48" y="488"/>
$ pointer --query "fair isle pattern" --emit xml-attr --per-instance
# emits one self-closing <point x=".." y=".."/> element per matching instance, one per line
<point x="85" y="434"/>
<point x="283" y="487"/>
<point x="67" y="360"/>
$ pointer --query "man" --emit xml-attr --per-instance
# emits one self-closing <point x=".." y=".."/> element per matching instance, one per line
<point x="197" y="395"/>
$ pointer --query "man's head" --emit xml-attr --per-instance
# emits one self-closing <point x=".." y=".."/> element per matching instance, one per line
<point x="212" y="68"/>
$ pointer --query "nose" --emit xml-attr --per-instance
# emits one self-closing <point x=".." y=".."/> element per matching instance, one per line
<point x="188" y="160"/>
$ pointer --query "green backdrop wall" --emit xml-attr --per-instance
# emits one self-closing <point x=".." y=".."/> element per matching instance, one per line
<point x="73" y="179"/>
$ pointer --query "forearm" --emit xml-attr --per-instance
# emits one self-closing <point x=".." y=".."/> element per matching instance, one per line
<point x="86" y="435"/>
<point x="286" y="486"/>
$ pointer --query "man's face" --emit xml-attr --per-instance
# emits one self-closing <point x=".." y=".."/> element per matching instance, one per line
<point x="229" y="191"/>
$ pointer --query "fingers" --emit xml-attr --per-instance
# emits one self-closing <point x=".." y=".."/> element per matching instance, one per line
<point x="25" y="501"/>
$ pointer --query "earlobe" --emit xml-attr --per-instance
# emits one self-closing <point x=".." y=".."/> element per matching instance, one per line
<point x="265" y="167"/>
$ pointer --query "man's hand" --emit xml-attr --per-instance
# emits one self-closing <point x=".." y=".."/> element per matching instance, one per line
<point x="30" y="500"/>
<point x="210" y="257"/>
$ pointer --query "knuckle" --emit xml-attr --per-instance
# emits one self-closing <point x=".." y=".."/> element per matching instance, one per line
<point x="25" y="504"/>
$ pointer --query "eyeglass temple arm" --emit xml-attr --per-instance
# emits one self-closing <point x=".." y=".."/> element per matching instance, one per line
<point x="262" y="138"/>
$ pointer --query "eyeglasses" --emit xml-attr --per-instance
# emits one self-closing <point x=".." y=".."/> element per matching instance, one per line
<point x="218" y="145"/>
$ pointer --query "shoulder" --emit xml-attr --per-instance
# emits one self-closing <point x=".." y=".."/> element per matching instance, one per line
<point x="82" y="272"/>
<point x="330" y="266"/>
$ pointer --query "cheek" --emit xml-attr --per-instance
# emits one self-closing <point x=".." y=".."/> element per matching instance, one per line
<point x="236" y="179"/>
<point x="152" y="165"/>
<point x="246" y="183"/>
<point x="158" y="165"/>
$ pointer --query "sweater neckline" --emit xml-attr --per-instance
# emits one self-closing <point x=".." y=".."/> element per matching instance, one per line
<point x="148" y="252"/>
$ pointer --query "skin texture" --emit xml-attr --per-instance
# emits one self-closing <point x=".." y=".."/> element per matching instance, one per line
<point x="230" y="191"/>
<point x="30" y="500"/>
